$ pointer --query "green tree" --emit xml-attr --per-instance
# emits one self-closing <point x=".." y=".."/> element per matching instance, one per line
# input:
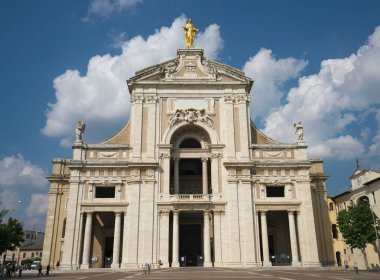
<point x="11" y="233"/>
<point x="358" y="226"/>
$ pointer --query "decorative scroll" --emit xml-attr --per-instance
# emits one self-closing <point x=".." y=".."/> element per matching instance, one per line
<point x="191" y="115"/>
<point x="272" y="154"/>
<point x="107" y="154"/>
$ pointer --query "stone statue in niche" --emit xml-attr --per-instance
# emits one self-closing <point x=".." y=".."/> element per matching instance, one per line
<point x="79" y="130"/>
<point x="191" y="115"/>
<point x="299" y="131"/>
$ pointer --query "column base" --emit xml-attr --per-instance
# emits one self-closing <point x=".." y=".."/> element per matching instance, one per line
<point x="66" y="267"/>
<point x="267" y="264"/>
<point x="84" y="266"/>
<point x="207" y="264"/>
<point x="175" y="264"/>
<point x="296" y="263"/>
<point x="218" y="264"/>
<point x="311" y="264"/>
<point x="252" y="264"/>
<point x="115" y="265"/>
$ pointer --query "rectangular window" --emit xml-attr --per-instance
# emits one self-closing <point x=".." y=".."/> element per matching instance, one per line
<point x="275" y="191"/>
<point x="334" y="231"/>
<point x="105" y="192"/>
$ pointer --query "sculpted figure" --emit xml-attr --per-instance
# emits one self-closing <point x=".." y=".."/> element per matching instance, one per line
<point x="209" y="68"/>
<point x="79" y="130"/>
<point x="190" y="32"/>
<point x="299" y="131"/>
<point x="170" y="69"/>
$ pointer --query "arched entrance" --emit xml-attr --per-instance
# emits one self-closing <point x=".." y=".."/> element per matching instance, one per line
<point x="338" y="258"/>
<point x="190" y="184"/>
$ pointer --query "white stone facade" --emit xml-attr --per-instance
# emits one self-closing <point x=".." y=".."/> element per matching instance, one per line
<point x="188" y="181"/>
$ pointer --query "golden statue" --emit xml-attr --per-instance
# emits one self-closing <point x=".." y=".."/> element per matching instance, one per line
<point x="190" y="32"/>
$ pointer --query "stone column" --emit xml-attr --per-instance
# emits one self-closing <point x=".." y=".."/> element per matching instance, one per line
<point x="215" y="173"/>
<point x="218" y="239"/>
<point x="228" y="108"/>
<point x="125" y="242"/>
<point x="164" y="238"/>
<point x="264" y="238"/>
<point x="241" y="101"/>
<point x="116" y="241"/>
<point x="176" y="175"/>
<point x="151" y="101"/>
<point x="204" y="176"/>
<point x="175" y="262"/>
<point x="293" y="239"/>
<point x="206" y="239"/>
<point x="87" y="242"/>
<point x="136" y="129"/>
<point x="299" y="231"/>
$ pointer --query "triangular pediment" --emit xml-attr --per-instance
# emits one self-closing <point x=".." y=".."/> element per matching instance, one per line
<point x="190" y="66"/>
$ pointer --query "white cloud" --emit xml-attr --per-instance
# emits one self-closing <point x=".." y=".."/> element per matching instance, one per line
<point x="343" y="147"/>
<point x="100" y="97"/>
<point x="269" y="75"/>
<point x="9" y="200"/>
<point x="374" y="149"/>
<point x="38" y="205"/>
<point x="16" y="171"/>
<point x="341" y="93"/>
<point x="104" y="8"/>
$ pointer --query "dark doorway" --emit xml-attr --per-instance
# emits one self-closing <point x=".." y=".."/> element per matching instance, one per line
<point x="190" y="245"/>
<point x="108" y="251"/>
<point x="271" y="246"/>
<point x="338" y="259"/>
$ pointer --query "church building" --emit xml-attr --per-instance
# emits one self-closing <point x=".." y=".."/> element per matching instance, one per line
<point x="189" y="181"/>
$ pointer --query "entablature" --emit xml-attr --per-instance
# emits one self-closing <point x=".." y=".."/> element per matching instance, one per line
<point x="104" y="206"/>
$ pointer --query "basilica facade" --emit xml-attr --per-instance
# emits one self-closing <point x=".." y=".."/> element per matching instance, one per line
<point x="189" y="181"/>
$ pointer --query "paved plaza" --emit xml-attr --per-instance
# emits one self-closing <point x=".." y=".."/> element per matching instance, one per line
<point x="208" y="273"/>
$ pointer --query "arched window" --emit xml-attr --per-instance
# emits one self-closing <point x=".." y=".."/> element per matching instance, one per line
<point x="363" y="201"/>
<point x="334" y="231"/>
<point x="331" y="206"/>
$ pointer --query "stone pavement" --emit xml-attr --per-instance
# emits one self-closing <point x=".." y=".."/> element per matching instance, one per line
<point x="208" y="274"/>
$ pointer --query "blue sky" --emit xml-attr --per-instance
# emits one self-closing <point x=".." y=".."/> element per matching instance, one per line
<point x="312" y="61"/>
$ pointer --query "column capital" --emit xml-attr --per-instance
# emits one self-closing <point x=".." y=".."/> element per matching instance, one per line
<point x="118" y="213"/>
<point x="291" y="212"/>
<point x="204" y="159"/>
<point x="176" y="158"/>
<point x="263" y="212"/>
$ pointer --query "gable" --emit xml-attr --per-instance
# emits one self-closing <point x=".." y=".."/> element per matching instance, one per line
<point x="190" y="66"/>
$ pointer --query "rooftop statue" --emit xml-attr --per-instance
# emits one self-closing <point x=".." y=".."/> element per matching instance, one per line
<point x="299" y="131"/>
<point x="79" y="130"/>
<point x="190" y="32"/>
